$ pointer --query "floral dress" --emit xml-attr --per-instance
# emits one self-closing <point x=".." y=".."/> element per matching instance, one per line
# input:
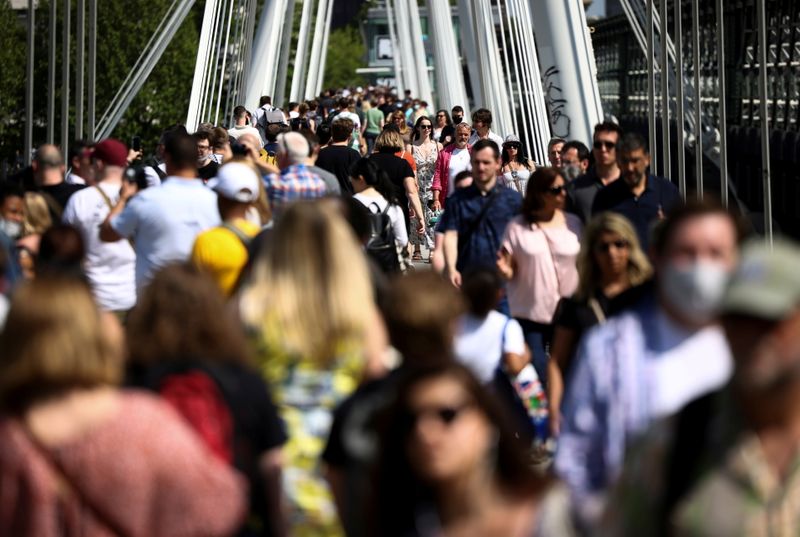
<point x="306" y="393"/>
<point x="426" y="166"/>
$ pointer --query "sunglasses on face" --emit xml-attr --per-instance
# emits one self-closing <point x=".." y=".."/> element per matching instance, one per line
<point x="446" y="415"/>
<point x="513" y="146"/>
<point x="605" y="247"/>
<point x="440" y="115"/>
<point x="599" y="144"/>
<point x="426" y="127"/>
<point x="556" y="190"/>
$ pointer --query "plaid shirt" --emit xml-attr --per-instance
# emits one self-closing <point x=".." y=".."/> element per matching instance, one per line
<point x="294" y="183"/>
<point x="734" y="490"/>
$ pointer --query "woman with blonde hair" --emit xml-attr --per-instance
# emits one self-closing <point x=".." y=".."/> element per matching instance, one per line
<point x="37" y="221"/>
<point x="80" y="456"/>
<point x="398" y="119"/>
<point x="309" y="304"/>
<point x="611" y="270"/>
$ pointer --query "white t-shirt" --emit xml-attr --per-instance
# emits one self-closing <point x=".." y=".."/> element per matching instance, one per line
<point x="109" y="266"/>
<point x="480" y="343"/>
<point x="163" y="223"/>
<point x="153" y="179"/>
<point x="459" y="162"/>
<point x="496" y="138"/>
<point x="354" y="143"/>
<point x="236" y="132"/>
<point x="395" y="215"/>
<point x="73" y="179"/>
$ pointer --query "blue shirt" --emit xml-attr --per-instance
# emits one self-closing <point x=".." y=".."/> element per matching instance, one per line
<point x="478" y="242"/>
<point x="659" y="198"/>
<point x="163" y="222"/>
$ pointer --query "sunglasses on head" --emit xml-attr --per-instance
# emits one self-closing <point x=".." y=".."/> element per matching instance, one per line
<point x="604" y="144"/>
<point x="445" y="415"/>
<point x="605" y="247"/>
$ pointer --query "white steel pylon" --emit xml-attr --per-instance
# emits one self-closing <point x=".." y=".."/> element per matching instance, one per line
<point x="446" y="59"/>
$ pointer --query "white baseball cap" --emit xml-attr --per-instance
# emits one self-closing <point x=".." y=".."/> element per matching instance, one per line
<point x="236" y="181"/>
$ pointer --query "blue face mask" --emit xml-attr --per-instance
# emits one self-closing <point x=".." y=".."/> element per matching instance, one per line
<point x="10" y="228"/>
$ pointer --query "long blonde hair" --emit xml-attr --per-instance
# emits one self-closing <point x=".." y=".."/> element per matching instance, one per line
<point x="37" y="214"/>
<point x="639" y="268"/>
<point x="310" y="286"/>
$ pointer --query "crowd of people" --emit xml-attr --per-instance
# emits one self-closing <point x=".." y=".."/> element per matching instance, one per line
<point x="360" y="316"/>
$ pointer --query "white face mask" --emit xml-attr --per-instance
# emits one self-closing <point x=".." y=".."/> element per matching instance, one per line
<point x="695" y="290"/>
<point x="12" y="229"/>
<point x="571" y="171"/>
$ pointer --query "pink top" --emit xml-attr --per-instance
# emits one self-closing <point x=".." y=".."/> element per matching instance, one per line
<point x="143" y="474"/>
<point x="545" y="268"/>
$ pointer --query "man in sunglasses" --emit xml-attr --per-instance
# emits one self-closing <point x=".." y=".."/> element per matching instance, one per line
<point x="641" y="198"/>
<point x="581" y="191"/>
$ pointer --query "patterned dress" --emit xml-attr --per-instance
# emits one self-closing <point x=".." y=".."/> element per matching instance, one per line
<point x="426" y="166"/>
<point x="306" y="393"/>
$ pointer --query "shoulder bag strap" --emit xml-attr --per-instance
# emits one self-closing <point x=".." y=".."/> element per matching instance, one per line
<point x="241" y="235"/>
<point x="105" y="197"/>
<point x="597" y="310"/>
<point x="475" y="223"/>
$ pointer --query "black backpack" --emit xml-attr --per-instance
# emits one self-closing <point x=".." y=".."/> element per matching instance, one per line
<point x="299" y="123"/>
<point x="381" y="246"/>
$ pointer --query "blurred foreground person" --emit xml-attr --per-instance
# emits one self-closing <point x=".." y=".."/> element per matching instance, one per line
<point x="647" y="363"/>
<point x="421" y="312"/>
<point x="451" y="466"/>
<point x="186" y="346"/>
<point x="80" y="457"/>
<point x="729" y="462"/>
<point x="309" y="303"/>
<point x="611" y="269"/>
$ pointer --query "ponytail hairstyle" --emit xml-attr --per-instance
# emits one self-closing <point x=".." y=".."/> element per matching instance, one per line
<point x="374" y="177"/>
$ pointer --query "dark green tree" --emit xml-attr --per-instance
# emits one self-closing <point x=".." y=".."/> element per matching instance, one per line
<point x="346" y="52"/>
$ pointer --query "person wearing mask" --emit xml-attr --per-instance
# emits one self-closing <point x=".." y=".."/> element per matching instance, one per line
<point x="646" y="363"/>
<point x="554" y="147"/>
<point x="185" y="345"/>
<point x="12" y="217"/>
<point x="537" y="258"/>
<point x="446" y="449"/>
<point x="482" y="128"/>
<point x="449" y="130"/>
<point x="400" y="174"/>
<point x="295" y="181"/>
<point x="206" y="167"/>
<point x="222" y="251"/>
<point x="452" y="160"/>
<point x="574" y="160"/>
<point x="641" y="198"/>
<point x="728" y="463"/>
<point x="478" y="215"/>
<point x="516" y="167"/>
<point x="605" y="171"/>
<point x="612" y="269"/>
<point x="110" y="267"/>
<point x="317" y="333"/>
<point x="164" y="222"/>
<point x="337" y="157"/>
<point x="84" y="456"/>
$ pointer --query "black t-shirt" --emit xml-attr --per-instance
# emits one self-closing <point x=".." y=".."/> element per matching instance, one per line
<point x="338" y="159"/>
<point x="447" y="130"/>
<point x="397" y="169"/>
<point x="208" y="171"/>
<point x="60" y="193"/>
<point x="578" y="315"/>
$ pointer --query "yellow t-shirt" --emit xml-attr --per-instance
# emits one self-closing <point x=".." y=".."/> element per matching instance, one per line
<point x="222" y="253"/>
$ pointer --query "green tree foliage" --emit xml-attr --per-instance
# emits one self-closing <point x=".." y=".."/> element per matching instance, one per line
<point x="123" y="29"/>
<point x="346" y="53"/>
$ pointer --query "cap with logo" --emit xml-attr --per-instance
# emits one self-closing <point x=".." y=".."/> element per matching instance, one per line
<point x="236" y="181"/>
<point x="111" y="152"/>
<point x="766" y="284"/>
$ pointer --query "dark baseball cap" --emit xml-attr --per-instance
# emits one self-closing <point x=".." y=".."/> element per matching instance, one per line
<point x="112" y="152"/>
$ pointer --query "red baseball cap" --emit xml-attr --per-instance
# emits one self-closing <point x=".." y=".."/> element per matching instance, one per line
<point x="112" y="152"/>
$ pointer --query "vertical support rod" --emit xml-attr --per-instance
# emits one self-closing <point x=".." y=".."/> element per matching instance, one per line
<point x="91" y="70"/>
<point x="679" y="113"/>
<point x="324" y="52"/>
<point x="298" y="75"/>
<point x="80" y="38"/>
<point x="723" y="116"/>
<point x="665" y="68"/>
<point x="698" y="105"/>
<point x="763" y="98"/>
<point x="283" y="64"/>
<point x="65" y="79"/>
<point x="399" y="79"/>
<point x="51" y="75"/>
<point x="651" y="87"/>
<point x="29" y="84"/>
<point x="200" y="67"/>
